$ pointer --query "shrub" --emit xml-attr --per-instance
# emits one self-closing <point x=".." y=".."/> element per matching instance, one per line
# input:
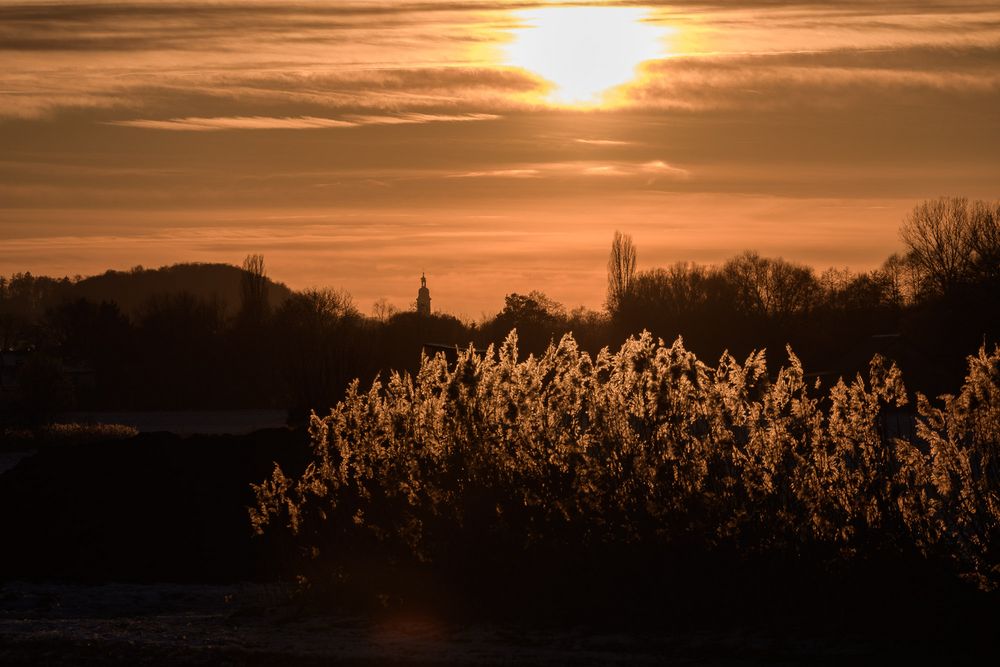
<point x="564" y="453"/>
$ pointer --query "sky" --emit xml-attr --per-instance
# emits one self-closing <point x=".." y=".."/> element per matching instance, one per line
<point x="494" y="145"/>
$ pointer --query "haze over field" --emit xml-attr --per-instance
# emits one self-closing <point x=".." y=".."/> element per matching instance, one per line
<point x="357" y="144"/>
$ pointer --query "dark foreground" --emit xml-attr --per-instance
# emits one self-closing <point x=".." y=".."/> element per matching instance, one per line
<point x="155" y="507"/>
<point x="92" y="532"/>
<point x="60" y="624"/>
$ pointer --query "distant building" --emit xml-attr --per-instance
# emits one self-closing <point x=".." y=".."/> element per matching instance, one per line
<point x="423" y="297"/>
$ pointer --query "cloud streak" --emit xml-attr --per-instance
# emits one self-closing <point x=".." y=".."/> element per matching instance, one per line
<point x="602" y="142"/>
<point x="583" y="168"/>
<point x="499" y="173"/>
<point x="234" y="123"/>
<point x="292" y="123"/>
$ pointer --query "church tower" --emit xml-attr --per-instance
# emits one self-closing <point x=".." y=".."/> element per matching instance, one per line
<point x="423" y="297"/>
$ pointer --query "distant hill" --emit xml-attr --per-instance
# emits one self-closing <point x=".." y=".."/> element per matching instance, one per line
<point x="130" y="289"/>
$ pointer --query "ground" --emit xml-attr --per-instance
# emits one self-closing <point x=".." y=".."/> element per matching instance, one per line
<point x="259" y="624"/>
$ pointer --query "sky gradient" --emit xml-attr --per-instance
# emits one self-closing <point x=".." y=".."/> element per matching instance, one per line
<point x="356" y="144"/>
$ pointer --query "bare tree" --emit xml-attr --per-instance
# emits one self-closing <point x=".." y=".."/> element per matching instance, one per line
<point x="382" y="310"/>
<point x="773" y="288"/>
<point x="253" y="288"/>
<point x="901" y="281"/>
<point x="621" y="270"/>
<point x="940" y="236"/>
<point x="986" y="240"/>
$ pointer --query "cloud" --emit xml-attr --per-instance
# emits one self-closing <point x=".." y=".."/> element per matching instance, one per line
<point x="573" y="169"/>
<point x="499" y="173"/>
<point x="250" y="59"/>
<point x="604" y="170"/>
<point x="184" y="89"/>
<point x="407" y="118"/>
<point x="651" y="168"/>
<point x="602" y="142"/>
<point x="234" y="123"/>
<point x="186" y="59"/>
<point x="771" y="82"/>
<point x="661" y="167"/>
<point x="291" y="123"/>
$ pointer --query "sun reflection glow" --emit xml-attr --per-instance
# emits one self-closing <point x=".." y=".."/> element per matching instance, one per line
<point x="585" y="51"/>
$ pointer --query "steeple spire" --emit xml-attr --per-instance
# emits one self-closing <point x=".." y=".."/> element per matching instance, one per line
<point x="423" y="296"/>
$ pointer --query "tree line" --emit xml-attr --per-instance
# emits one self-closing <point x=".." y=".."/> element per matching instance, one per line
<point x="927" y="308"/>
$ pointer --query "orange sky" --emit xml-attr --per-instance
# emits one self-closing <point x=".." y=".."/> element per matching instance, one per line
<point x="357" y="144"/>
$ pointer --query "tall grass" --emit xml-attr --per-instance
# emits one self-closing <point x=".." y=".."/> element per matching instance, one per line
<point x="646" y="446"/>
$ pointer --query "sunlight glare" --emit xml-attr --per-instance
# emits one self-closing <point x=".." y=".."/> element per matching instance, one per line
<point x="585" y="51"/>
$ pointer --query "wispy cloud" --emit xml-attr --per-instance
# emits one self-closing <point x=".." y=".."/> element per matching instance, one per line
<point x="602" y="142"/>
<point x="234" y="123"/>
<point x="499" y="173"/>
<point x="651" y="168"/>
<point x="661" y="167"/>
<point x="195" y="124"/>
<point x="303" y="59"/>
<point x="407" y="118"/>
<point x="811" y="81"/>
<point x="571" y="169"/>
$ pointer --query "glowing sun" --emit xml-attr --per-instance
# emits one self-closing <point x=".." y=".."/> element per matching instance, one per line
<point x="584" y="51"/>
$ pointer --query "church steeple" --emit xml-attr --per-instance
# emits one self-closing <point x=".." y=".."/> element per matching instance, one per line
<point x="423" y="297"/>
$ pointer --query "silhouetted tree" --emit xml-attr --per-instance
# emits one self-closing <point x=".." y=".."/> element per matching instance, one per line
<point x="953" y="249"/>
<point x="96" y="334"/>
<point x="179" y="350"/>
<point x="400" y="339"/>
<point x="986" y="241"/>
<point x="322" y="347"/>
<point x="685" y="299"/>
<point x="772" y="289"/>
<point x="537" y="318"/>
<point x="27" y="297"/>
<point x="898" y="272"/>
<point x="621" y="270"/>
<point x="253" y="289"/>
<point x="941" y="238"/>
<point x="382" y="310"/>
